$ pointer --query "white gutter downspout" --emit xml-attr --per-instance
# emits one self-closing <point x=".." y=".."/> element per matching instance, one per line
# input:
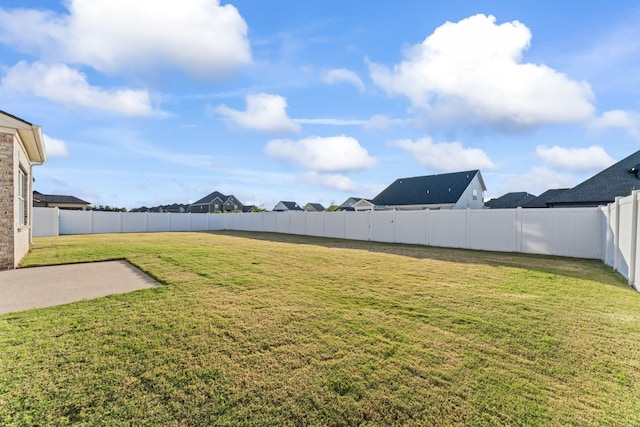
<point x="31" y="165"/>
<point x="43" y="155"/>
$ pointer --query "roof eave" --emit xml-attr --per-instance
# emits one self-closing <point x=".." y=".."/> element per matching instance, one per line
<point x="33" y="141"/>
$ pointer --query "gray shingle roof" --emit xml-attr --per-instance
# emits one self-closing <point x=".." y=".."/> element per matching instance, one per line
<point x="437" y="189"/>
<point x="210" y="197"/>
<point x="292" y="206"/>
<point x="601" y="189"/>
<point x="54" y="198"/>
<point x="541" y="200"/>
<point x="510" y="200"/>
<point x="317" y="206"/>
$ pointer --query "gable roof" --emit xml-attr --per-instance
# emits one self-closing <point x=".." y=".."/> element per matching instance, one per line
<point x="54" y="198"/>
<point x="30" y="134"/>
<point x="603" y="188"/>
<point x="446" y="188"/>
<point x="210" y="198"/>
<point x="510" y="200"/>
<point x="316" y="206"/>
<point x="541" y="200"/>
<point x="347" y="204"/>
<point x="292" y="206"/>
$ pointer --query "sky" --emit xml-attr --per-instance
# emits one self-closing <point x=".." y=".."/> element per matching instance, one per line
<point x="152" y="102"/>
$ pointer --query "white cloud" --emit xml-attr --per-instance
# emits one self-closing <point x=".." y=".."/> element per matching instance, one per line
<point x="334" y="181"/>
<point x="577" y="159"/>
<point x="379" y="122"/>
<point x="55" y="147"/>
<point x="59" y="83"/>
<point x="473" y="69"/>
<point x="628" y="121"/>
<point x="445" y="156"/>
<point x="198" y="36"/>
<point x="264" y="113"/>
<point x="331" y="122"/>
<point x="336" y="153"/>
<point x="339" y="75"/>
<point x="536" y="181"/>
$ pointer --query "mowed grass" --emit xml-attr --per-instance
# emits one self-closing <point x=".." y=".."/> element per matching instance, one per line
<point x="267" y="329"/>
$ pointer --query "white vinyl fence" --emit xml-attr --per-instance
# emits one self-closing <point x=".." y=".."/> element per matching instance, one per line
<point x="606" y="233"/>
<point x="621" y="246"/>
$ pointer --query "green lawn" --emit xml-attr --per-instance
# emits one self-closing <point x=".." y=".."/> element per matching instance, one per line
<point x="267" y="329"/>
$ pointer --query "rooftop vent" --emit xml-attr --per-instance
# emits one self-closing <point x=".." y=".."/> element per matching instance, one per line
<point x="634" y="170"/>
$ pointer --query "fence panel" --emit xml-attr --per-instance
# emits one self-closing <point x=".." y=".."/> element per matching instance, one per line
<point x="157" y="222"/>
<point x="45" y="222"/>
<point x="283" y="222"/>
<point x="179" y="222"/>
<point x="315" y="223"/>
<point x="634" y="279"/>
<point x="76" y="222"/>
<point x="198" y="221"/>
<point x="493" y="230"/>
<point x="448" y="228"/>
<point x="334" y="224"/>
<point x="297" y="222"/>
<point x="411" y="227"/>
<point x="608" y="230"/>
<point x="383" y="228"/>
<point x="356" y="226"/>
<point x="564" y="232"/>
<point x="134" y="222"/>
<point x="625" y="240"/>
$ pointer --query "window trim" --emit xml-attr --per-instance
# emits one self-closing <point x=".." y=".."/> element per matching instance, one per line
<point x="23" y="197"/>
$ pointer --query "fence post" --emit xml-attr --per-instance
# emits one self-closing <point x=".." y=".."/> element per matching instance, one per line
<point x="427" y="232"/>
<point x="616" y="237"/>
<point x="634" y="238"/>
<point x="467" y="229"/>
<point x="519" y="230"/>
<point x="607" y="239"/>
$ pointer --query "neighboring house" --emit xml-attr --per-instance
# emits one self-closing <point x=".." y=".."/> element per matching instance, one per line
<point x="510" y="200"/>
<point x="457" y="190"/>
<point x="173" y="208"/>
<point x="313" y="207"/>
<point x="347" y="205"/>
<point x="541" y="200"/>
<point x="21" y="148"/>
<point x="250" y="208"/>
<point x="61" y="202"/>
<point x="286" y="206"/>
<point x="618" y="180"/>
<point x="216" y="202"/>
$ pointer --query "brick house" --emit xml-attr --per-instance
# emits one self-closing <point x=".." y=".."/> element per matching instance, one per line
<point x="21" y="148"/>
<point x="216" y="202"/>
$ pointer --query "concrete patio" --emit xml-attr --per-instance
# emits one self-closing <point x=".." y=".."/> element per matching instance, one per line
<point x="37" y="287"/>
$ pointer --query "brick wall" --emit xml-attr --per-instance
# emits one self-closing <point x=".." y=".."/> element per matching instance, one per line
<point x="7" y="195"/>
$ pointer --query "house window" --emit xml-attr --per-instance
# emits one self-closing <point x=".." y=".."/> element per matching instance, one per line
<point x="216" y="207"/>
<point x="475" y="194"/>
<point x="23" y="198"/>
<point x="235" y="207"/>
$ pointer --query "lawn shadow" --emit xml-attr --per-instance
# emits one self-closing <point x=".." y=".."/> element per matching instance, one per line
<point x="577" y="268"/>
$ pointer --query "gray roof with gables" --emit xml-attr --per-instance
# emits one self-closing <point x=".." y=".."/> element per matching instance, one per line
<point x="55" y="198"/>
<point x="541" y="200"/>
<point x="446" y="188"/>
<point x="292" y="206"/>
<point x="210" y="198"/>
<point x="510" y="200"/>
<point x="601" y="189"/>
